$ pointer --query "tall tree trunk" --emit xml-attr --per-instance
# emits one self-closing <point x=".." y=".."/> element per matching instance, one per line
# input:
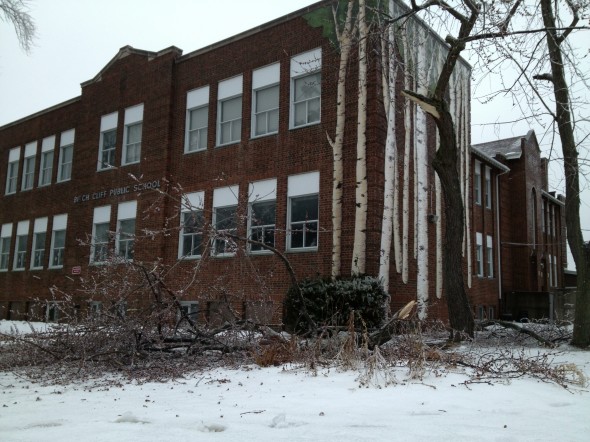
<point x="360" y="221"/>
<point x="580" y="252"/>
<point x="345" y="41"/>
<point x="389" y="227"/>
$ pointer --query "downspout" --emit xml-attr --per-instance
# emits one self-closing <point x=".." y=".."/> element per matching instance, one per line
<point x="499" y="245"/>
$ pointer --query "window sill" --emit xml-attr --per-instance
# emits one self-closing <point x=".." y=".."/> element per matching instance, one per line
<point x="36" y="269"/>
<point x="55" y="267"/>
<point x="231" y="143"/>
<point x="188" y="152"/>
<point x="223" y="255"/>
<point x="63" y="181"/>
<point x="269" y="134"/>
<point x="190" y="257"/>
<point x="105" y="169"/>
<point x="315" y="123"/>
<point x="303" y="250"/>
<point x="130" y="164"/>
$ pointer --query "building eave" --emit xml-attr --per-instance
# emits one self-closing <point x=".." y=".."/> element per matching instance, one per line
<point x="552" y="198"/>
<point x="481" y="155"/>
<point x="41" y="112"/>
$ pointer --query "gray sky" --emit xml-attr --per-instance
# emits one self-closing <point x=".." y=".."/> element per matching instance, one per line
<point x="77" y="38"/>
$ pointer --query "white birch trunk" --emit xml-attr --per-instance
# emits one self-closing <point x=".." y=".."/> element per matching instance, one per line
<point x="344" y="39"/>
<point x="424" y="65"/>
<point x="360" y="224"/>
<point x="407" y="151"/>
<point x="387" y="227"/>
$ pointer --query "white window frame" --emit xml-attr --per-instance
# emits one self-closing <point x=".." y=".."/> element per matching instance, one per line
<point x="60" y="223"/>
<point x="28" y="181"/>
<point x="192" y="310"/>
<point x="5" y="238"/>
<point x="20" y="247"/>
<point x="229" y="90"/>
<point x="46" y="163"/>
<point x="102" y="216"/>
<point x="64" y="168"/>
<point x="477" y="183"/>
<point x="224" y="198"/>
<point x="12" y="171"/>
<point x="52" y="311"/>
<point x="264" y="191"/>
<point x="197" y="100"/>
<point x="108" y="124"/>
<point x="263" y="79"/>
<point x="488" y="188"/>
<point x="304" y="65"/>
<point x="490" y="255"/>
<point x="125" y="242"/>
<point x="479" y="254"/>
<point x="133" y="119"/>
<point x="191" y="203"/>
<point x="38" y="249"/>
<point x="301" y="186"/>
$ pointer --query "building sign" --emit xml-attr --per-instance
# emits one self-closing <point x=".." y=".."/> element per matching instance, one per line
<point x="76" y="270"/>
<point x="117" y="191"/>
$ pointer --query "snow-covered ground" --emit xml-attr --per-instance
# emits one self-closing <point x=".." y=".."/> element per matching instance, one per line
<point x="290" y="404"/>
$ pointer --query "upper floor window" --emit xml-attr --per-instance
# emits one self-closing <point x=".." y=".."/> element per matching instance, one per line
<point x="12" y="171"/>
<point x="108" y="141"/>
<point x="132" y="134"/>
<point x="488" y="188"/>
<point x="20" y="249"/>
<point x="192" y="222"/>
<point x="477" y="182"/>
<point x="39" y="237"/>
<point x="126" y="229"/>
<point x="490" y="255"/>
<point x="479" y="254"/>
<point x="46" y="167"/>
<point x="58" y="241"/>
<point x="303" y="211"/>
<point x="29" y="166"/>
<point x="225" y="208"/>
<point x="5" y="239"/>
<point x="197" y="119"/>
<point x="262" y="213"/>
<point x="100" y="234"/>
<point x="306" y="88"/>
<point x="265" y="100"/>
<point x="66" y="155"/>
<point x="229" y="111"/>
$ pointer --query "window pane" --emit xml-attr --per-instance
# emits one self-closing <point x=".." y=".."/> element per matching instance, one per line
<point x="267" y="99"/>
<point x="198" y="118"/>
<point x="225" y="218"/>
<point x="231" y="109"/>
<point x="65" y="167"/>
<point x="273" y="121"/>
<point x="39" y="252"/>
<point x="192" y="233"/>
<point x="263" y="213"/>
<point x="304" y="208"/>
<point x="46" y="169"/>
<point x="308" y="87"/>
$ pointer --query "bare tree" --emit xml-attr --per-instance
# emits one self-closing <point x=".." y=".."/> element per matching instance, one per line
<point x="17" y="13"/>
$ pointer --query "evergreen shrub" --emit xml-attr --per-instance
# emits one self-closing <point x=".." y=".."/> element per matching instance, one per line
<point x="329" y="302"/>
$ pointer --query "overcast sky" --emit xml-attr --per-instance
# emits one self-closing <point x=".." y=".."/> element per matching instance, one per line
<point x="77" y="38"/>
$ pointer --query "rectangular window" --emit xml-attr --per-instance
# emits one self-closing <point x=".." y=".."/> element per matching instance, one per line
<point x="99" y="250"/>
<point x="192" y="224"/>
<point x="229" y="111"/>
<point x="39" y="237"/>
<point x="225" y="207"/>
<point x="488" y="188"/>
<point x="52" y="311"/>
<point x="479" y="254"/>
<point x="58" y="241"/>
<point x="189" y="309"/>
<point x="543" y="214"/>
<point x="132" y="134"/>
<point x="126" y="229"/>
<point x="5" y="239"/>
<point x="262" y="213"/>
<point x="306" y="88"/>
<point x="303" y="211"/>
<point x="12" y="171"/>
<point x="29" y="166"/>
<point x="46" y="167"/>
<point x="490" y="255"/>
<point x="197" y="119"/>
<point x="20" y="250"/>
<point x="477" y="183"/>
<point x="66" y="155"/>
<point x="265" y="100"/>
<point x="107" y="141"/>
